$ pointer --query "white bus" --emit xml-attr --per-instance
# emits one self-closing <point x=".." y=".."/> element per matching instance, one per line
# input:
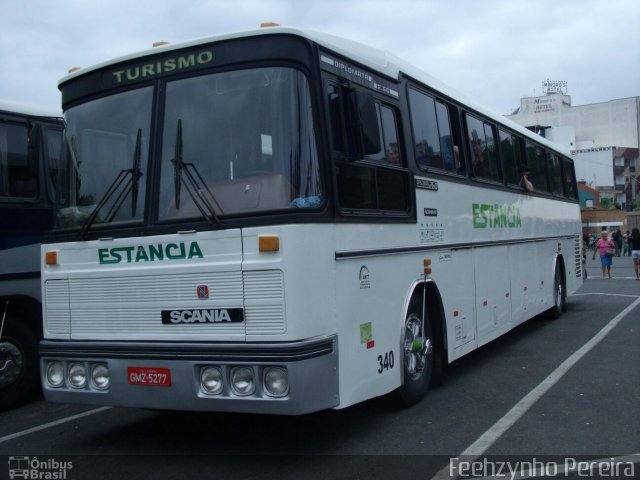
<point x="282" y="221"/>
<point x="30" y="144"/>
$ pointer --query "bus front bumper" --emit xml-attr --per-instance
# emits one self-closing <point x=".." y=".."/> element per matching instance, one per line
<point x="289" y="378"/>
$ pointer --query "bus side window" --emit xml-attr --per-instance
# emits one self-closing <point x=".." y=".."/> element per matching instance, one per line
<point x="425" y="130"/>
<point x="377" y="180"/>
<point x="555" y="174"/>
<point x="482" y="145"/>
<point x="433" y="136"/>
<point x="536" y="161"/>
<point x="17" y="176"/>
<point x="569" y="177"/>
<point x="53" y="143"/>
<point x="510" y="154"/>
<point x="337" y="121"/>
<point x="356" y="124"/>
<point x="456" y="139"/>
<point x="390" y="145"/>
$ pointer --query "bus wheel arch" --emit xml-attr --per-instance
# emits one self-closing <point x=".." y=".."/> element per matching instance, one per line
<point x="422" y="357"/>
<point x="559" y="291"/>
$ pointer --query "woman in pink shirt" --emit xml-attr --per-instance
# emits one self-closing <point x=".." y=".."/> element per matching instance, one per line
<point x="602" y="245"/>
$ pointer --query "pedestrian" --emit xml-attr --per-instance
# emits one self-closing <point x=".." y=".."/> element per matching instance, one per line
<point x="634" y="242"/>
<point x="626" y="243"/>
<point x="617" y="242"/>
<point x="606" y="248"/>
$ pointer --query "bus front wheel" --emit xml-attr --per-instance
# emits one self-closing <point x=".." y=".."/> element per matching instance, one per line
<point x="19" y="373"/>
<point x="417" y="353"/>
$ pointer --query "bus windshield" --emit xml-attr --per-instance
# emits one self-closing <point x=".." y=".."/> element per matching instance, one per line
<point x="232" y="143"/>
<point x="101" y="138"/>
<point x="246" y="138"/>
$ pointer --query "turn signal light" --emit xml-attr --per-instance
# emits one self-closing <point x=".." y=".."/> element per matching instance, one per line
<point x="269" y="243"/>
<point x="427" y="266"/>
<point x="51" y="258"/>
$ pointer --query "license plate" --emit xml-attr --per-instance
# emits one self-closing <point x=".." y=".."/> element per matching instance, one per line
<point x="152" y="376"/>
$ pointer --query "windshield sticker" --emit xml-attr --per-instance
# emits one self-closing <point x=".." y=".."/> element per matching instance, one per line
<point x="487" y="215"/>
<point x="366" y="335"/>
<point x="150" y="253"/>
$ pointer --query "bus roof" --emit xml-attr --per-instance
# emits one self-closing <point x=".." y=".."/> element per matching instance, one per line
<point x="29" y="109"/>
<point x="376" y="59"/>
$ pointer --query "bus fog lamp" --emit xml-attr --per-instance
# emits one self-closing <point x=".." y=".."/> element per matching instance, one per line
<point x="211" y="380"/>
<point x="243" y="381"/>
<point x="100" y="377"/>
<point x="276" y="381"/>
<point x="55" y="374"/>
<point x="77" y="375"/>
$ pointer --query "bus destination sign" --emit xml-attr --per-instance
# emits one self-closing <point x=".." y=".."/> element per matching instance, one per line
<point x="157" y="67"/>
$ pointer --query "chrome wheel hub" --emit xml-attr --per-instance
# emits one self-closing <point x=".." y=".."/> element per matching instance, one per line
<point x="10" y="364"/>
<point x="416" y="347"/>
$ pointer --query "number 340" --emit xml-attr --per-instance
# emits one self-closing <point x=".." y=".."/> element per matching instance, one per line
<point x="386" y="362"/>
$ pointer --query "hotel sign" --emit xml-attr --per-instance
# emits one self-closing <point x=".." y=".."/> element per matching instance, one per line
<point x="554" y="86"/>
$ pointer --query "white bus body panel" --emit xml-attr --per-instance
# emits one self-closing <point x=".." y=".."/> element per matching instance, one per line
<point x="350" y="280"/>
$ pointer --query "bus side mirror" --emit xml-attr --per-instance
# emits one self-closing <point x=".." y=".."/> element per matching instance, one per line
<point x="367" y="126"/>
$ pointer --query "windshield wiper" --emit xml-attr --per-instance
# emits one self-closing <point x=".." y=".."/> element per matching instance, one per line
<point x="133" y="176"/>
<point x="187" y="174"/>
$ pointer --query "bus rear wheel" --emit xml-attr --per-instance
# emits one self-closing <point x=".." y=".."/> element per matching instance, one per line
<point x="559" y="295"/>
<point x="418" y="355"/>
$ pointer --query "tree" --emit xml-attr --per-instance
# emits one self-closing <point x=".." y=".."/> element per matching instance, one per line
<point x="606" y="204"/>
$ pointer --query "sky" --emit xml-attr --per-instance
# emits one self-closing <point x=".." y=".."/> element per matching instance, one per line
<point x="493" y="51"/>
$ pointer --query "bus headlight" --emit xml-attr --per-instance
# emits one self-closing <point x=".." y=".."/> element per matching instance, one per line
<point x="55" y="374"/>
<point x="276" y="381"/>
<point x="100" y="377"/>
<point x="211" y="380"/>
<point x="243" y="381"/>
<point x="77" y="375"/>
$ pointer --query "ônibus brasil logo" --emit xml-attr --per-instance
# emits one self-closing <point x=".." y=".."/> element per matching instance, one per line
<point x="150" y="253"/>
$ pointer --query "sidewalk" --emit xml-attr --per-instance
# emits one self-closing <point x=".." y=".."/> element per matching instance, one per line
<point x="622" y="268"/>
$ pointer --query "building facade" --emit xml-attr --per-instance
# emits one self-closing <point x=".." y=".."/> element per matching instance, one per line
<point x="603" y="137"/>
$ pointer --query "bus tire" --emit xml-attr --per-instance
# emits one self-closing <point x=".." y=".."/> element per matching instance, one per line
<point x="19" y="368"/>
<point x="559" y="295"/>
<point x="417" y="356"/>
